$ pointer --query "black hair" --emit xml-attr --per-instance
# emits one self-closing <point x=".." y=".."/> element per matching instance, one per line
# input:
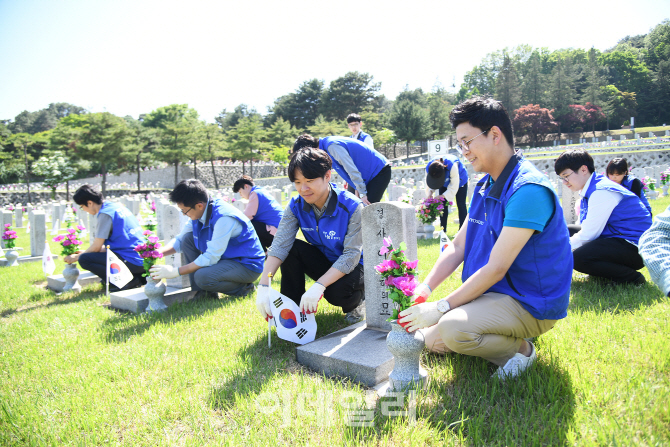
<point x="574" y="159"/>
<point x="189" y="193"/>
<point x="353" y="117"/>
<point x="617" y="166"/>
<point x="241" y="182"/>
<point x="86" y="193"/>
<point x="305" y="140"/>
<point x="312" y="163"/>
<point x="436" y="168"/>
<point x="483" y="113"/>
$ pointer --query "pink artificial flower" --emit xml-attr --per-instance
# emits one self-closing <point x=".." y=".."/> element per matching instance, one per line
<point x="80" y="228"/>
<point x="386" y="265"/>
<point x="153" y="239"/>
<point x="411" y="264"/>
<point x="66" y="243"/>
<point x="386" y="244"/>
<point x="58" y="238"/>
<point x="406" y="284"/>
<point x="147" y="232"/>
<point x="8" y="225"/>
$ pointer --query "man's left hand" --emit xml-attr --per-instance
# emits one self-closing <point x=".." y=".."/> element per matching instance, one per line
<point x="419" y="316"/>
<point x="164" y="271"/>
<point x="310" y="299"/>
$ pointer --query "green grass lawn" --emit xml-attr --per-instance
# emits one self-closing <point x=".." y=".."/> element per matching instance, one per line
<point x="74" y="372"/>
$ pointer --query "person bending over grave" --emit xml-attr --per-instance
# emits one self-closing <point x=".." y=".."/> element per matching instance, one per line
<point x="617" y="171"/>
<point x="355" y="124"/>
<point x="655" y="251"/>
<point x="116" y="227"/>
<point x="331" y="254"/>
<point x="364" y="169"/>
<point x="263" y="210"/>
<point x="612" y="219"/>
<point x="515" y="250"/>
<point x="449" y="177"/>
<point x="219" y="243"/>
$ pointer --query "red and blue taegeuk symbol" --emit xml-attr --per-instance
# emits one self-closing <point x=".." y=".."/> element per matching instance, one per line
<point x="287" y="319"/>
<point x="114" y="268"/>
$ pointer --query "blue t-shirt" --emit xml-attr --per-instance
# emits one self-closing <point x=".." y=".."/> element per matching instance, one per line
<point x="519" y="215"/>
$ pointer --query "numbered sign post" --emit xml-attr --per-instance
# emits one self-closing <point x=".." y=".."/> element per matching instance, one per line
<point x="437" y="148"/>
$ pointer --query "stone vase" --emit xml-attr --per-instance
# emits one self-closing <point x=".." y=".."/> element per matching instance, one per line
<point x="406" y="349"/>
<point x="155" y="291"/>
<point x="71" y="274"/>
<point x="12" y="255"/>
<point x="665" y="190"/>
<point x="652" y="195"/>
<point x="429" y="230"/>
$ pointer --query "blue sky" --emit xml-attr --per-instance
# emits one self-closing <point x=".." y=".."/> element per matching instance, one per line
<point x="130" y="57"/>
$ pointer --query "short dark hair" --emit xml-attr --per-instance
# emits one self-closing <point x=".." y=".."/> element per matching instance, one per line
<point x="617" y="166"/>
<point x="86" y="193"/>
<point x="483" y="113"/>
<point x="305" y="140"/>
<point x="353" y="117"/>
<point x="436" y="168"/>
<point x="240" y="182"/>
<point x="574" y="159"/>
<point x="189" y="193"/>
<point x="312" y="163"/>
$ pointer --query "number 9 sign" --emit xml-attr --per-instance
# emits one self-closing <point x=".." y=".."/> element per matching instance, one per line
<point x="437" y="148"/>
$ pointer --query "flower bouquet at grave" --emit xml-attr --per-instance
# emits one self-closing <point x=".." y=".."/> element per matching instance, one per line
<point x="648" y="183"/>
<point x="430" y="208"/>
<point x="665" y="176"/>
<point x="150" y="223"/>
<point x="8" y="236"/>
<point x="148" y="251"/>
<point x="70" y="242"/>
<point x="406" y="199"/>
<point x="399" y="276"/>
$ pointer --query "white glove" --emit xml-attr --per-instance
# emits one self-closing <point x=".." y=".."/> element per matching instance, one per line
<point x="164" y="271"/>
<point x="419" y="316"/>
<point x="263" y="301"/>
<point x="421" y="293"/>
<point x="310" y="299"/>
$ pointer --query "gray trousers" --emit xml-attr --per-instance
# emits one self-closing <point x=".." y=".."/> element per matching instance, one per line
<point x="226" y="276"/>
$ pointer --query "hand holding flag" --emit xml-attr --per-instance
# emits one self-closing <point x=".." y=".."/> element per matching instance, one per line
<point x="117" y="272"/>
<point x="292" y="325"/>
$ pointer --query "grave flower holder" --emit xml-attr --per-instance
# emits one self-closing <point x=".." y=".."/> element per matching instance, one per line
<point x="155" y="291"/>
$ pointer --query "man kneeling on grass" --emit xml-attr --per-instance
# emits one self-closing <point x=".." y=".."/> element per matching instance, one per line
<point x="515" y="250"/>
<point x="219" y="243"/>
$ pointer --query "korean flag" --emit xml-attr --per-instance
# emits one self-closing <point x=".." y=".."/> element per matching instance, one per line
<point x="117" y="272"/>
<point x="292" y="325"/>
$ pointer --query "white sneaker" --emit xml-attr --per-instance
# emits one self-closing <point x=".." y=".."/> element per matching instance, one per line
<point x="516" y="365"/>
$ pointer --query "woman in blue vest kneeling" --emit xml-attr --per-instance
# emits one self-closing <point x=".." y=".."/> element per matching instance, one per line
<point x="362" y="167"/>
<point x="219" y="243"/>
<point x="448" y="176"/>
<point x="617" y="171"/>
<point x="263" y="210"/>
<point x="330" y="220"/>
<point x="514" y="247"/>
<point x="116" y="227"/>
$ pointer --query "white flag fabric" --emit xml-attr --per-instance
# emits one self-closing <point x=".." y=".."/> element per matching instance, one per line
<point x="117" y="272"/>
<point x="48" y="264"/>
<point x="28" y="228"/>
<point x="444" y="241"/>
<point x="292" y="325"/>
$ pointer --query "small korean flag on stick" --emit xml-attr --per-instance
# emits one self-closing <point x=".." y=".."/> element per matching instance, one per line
<point x="292" y="325"/>
<point x="117" y="272"/>
<point x="48" y="264"/>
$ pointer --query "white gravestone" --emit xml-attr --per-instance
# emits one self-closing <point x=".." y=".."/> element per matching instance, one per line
<point x="569" y="200"/>
<point x="172" y="225"/>
<point x="18" y="215"/>
<point x="38" y="232"/>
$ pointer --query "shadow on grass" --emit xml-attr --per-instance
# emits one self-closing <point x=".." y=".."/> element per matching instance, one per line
<point x="37" y="300"/>
<point x="595" y="294"/>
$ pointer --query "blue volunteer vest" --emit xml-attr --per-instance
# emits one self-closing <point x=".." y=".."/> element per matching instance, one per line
<point x="540" y="276"/>
<point x="361" y="136"/>
<point x="628" y="183"/>
<point x="269" y="210"/>
<point x="327" y="234"/>
<point x="629" y="219"/>
<point x="449" y="161"/>
<point x="367" y="160"/>
<point x="126" y="232"/>
<point x="245" y="248"/>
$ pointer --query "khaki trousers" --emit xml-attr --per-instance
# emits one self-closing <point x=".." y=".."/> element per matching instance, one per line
<point x="491" y="326"/>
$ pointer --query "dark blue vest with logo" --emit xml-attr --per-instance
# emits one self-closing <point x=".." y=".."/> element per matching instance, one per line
<point x="628" y="183"/>
<point x="629" y="219"/>
<point x="367" y="160"/>
<point x="540" y="276"/>
<point x="245" y="248"/>
<point x="126" y="232"/>
<point x="327" y="234"/>
<point x="269" y="210"/>
<point x="449" y="161"/>
<point x="361" y="136"/>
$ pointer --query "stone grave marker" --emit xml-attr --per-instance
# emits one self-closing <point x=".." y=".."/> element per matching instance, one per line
<point x="92" y="227"/>
<point x="359" y="351"/>
<point x="569" y="200"/>
<point x="172" y="225"/>
<point x="38" y="232"/>
<point x="18" y="215"/>
<point x="6" y="219"/>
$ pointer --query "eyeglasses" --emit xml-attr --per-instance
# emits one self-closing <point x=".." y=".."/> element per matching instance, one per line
<point x="459" y="146"/>
<point x="565" y="179"/>
<point x="186" y="212"/>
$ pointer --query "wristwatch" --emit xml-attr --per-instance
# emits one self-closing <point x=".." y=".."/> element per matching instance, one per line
<point x="443" y="306"/>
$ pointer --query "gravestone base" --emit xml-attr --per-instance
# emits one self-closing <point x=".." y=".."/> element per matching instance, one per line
<point x="136" y="301"/>
<point x="22" y="259"/>
<point x="356" y="352"/>
<point x="57" y="282"/>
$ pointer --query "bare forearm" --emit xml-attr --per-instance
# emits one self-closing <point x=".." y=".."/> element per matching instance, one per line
<point x="188" y="268"/>
<point x="330" y="277"/>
